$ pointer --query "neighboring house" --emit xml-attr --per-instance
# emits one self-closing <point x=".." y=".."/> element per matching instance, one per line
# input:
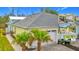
<point x="12" y="20"/>
<point x="67" y="26"/>
<point x="61" y="18"/>
<point x="44" y="21"/>
<point x="66" y="31"/>
<point x="64" y="18"/>
<point x="70" y="17"/>
<point x="77" y="18"/>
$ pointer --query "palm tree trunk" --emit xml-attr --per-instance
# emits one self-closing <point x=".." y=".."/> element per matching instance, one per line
<point x="30" y="42"/>
<point x="24" y="48"/>
<point x="39" y="45"/>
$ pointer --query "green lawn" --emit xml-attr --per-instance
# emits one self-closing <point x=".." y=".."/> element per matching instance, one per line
<point x="4" y="44"/>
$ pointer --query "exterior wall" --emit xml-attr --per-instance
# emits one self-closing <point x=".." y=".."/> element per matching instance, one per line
<point x="10" y="26"/>
<point x="20" y="30"/>
<point x="70" y="17"/>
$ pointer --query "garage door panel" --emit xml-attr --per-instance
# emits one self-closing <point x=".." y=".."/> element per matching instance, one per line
<point x="53" y="36"/>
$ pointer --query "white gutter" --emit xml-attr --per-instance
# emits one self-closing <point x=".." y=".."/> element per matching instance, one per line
<point x="17" y="17"/>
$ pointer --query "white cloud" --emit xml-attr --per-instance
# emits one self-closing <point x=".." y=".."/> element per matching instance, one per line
<point x="61" y="9"/>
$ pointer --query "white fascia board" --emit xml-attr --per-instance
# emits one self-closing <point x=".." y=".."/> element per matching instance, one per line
<point x="17" y="17"/>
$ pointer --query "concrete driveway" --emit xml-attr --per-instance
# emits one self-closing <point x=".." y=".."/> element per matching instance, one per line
<point x="56" y="47"/>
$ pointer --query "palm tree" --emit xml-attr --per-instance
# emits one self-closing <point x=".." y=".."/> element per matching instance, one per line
<point x="40" y="36"/>
<point x="22" y="39"/>
<point x="3" y="21"/>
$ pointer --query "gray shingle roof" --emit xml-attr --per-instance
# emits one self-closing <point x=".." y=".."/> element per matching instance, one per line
<point x="43" y="20"/>
<point x="12" y="22"/>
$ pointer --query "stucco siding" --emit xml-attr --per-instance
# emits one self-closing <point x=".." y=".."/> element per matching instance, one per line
<point x="20" y="30"/>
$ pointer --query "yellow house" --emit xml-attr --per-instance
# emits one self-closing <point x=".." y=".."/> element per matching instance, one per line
<point x="44" y="21"/>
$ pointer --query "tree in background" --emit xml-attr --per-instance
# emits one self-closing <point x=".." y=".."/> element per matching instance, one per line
<point x="51" y="11"/>
<point x="63" y="18"/>
<point x="75" y="19"/>
<point x="3" y="21"/>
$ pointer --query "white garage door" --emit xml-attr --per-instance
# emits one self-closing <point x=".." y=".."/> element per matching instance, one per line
<point x="53" y="35"/>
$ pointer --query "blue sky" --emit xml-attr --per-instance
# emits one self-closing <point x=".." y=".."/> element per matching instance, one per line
<point x="30" y="10"/>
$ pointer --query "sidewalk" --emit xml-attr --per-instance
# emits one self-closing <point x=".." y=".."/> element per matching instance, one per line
<point x="15" y="46"/>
